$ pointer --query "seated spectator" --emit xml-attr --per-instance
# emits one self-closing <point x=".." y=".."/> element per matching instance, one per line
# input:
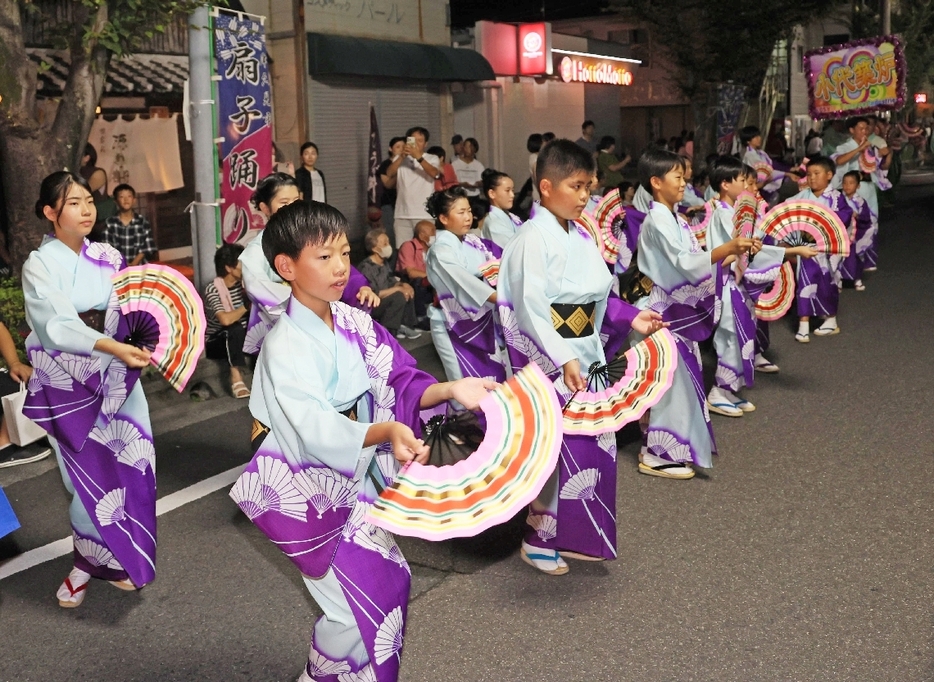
<point x="129" y="232"/>
<point x="16" y="373"/>
<point x="448" y="176"/>
<point x="226" y="313"/>
<point x="627" y="191"/>
<point x="410" y="266"/>
<point x="396" y="310"/>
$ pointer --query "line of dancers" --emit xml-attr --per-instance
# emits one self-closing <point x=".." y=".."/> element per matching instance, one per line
<point x="336" y="400"/>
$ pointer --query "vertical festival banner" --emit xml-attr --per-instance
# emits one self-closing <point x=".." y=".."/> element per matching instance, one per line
<point x="373" y="187"/>
<point x="730" y="101"/>
<point x="856" y="78"/>
<point x="244" y="119"/>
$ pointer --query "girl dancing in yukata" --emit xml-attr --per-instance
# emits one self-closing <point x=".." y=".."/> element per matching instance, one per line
<point x="464" y="321"/>
<point x="84" y="392"/>
<point x="686" y="283"/>
<point x="265" y="289"/>
<point x="552" y="295"/>
<point x="331" y="385"/>
<point x="500" y="225"/>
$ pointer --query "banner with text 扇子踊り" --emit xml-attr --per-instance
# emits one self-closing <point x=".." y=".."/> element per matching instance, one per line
<point x="244" y="116"/>
<point x="856" y="78"/>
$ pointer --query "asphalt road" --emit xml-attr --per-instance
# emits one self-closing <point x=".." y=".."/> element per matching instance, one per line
<point x="805" y="554"/>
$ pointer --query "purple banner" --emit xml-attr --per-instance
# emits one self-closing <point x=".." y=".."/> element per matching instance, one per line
<point x="244" y="110"/>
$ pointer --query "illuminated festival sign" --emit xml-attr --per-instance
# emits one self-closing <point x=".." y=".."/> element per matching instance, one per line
<point x="856" y="78"/>
<point x="581" y="68"/>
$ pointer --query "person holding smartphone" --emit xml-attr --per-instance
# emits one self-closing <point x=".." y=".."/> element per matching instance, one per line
<point x="415" y="172"/>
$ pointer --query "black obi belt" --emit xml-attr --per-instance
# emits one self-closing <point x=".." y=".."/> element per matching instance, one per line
<point x="573" y="320"/>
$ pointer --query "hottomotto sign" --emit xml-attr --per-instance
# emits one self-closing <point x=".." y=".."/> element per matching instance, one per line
<point x="580" y="69"/>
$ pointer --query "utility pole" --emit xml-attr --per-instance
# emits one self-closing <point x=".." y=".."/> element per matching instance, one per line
<point x="204" y="208"/>
<point x="886" y="17"/>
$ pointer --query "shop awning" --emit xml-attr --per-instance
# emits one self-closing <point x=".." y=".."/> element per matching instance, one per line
<point x="342" y="55"/>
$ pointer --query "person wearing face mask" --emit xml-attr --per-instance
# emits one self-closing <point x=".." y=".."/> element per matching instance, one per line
<point x="396" y="310"/>
<point x="464" y="319"/>
<point x="410" y="266"/>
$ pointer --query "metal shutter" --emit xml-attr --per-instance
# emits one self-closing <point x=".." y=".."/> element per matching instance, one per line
<point x="340" y="126"/>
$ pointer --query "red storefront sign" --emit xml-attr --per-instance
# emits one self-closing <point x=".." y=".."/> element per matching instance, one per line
<point x="534" y="49"/>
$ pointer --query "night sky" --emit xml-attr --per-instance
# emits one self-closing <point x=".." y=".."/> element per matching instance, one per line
<point x="465" y="12"/>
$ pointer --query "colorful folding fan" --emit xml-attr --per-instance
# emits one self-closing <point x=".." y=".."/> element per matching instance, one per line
<point x="812" y="218"/>
<point x="508" y="470"/>
<point x="763" y="171"/>
<point x="650" y="370"/>
<point x="161" y="311"/>
<point x="588" y="222"/>
<point x="776" y="302"/>
<point x="490" y="272"/>
<point x="699" y="228"/>
<point x="745" y="212"/>
<point x="867" y="161"/>
<point x="610" y="216"/>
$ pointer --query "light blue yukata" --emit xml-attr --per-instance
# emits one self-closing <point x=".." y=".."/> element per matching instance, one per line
<point x="500" y="226"/>
<point x="542" y="267"/>
<point x="464" y="324"/>
<point x="685" y="291"/>
<point x="735" y="335"/>
<point x="93" y="407"/>
<point x="311" y="480"/>
<point x="817" y="278"/>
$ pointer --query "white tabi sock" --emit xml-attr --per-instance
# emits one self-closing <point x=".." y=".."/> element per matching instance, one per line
<point x="804" y="327"/>
<point x="830" y="323"/>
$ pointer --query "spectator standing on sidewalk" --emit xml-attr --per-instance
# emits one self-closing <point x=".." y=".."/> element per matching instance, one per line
<point x="310" y="179"/>
<point x="468" y="169"/>
<point x="16" y="373"/>
<point x="387" y="199"/>
<point x="586" y="140"/>
<point x="226" y="313"/>
<point x="129" y="232"/>
<point x="448" y="177"/>
<point x="415" y="173"/>
<point x="396" y="309"/>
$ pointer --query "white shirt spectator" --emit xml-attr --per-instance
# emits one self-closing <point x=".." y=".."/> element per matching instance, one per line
<point x="413" y="187"/>
<point x="317" y="187"/>
<point x="469" y="173"/>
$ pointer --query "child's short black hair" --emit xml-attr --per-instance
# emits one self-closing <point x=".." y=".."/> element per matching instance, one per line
<point x="438" y="151"/>
<point x="123" y="187"/>
<point x="725" y="169"/>
<point x="301" y="224"/>
<point x="747" y="134"/>
<point x="855" y="121"/>
<point x="226" y="256"/>
<point x="624" y="187"/>
<point x="856" y="175"/>
<point x="657" y="163"/>
<point x="560" y="159"/>
<point x="824" y="162"/>
<point x="749" y="171"/>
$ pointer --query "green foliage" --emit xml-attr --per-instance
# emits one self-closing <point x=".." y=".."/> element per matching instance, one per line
<point x="13" y="313"/>
<point x="711" y="42"/>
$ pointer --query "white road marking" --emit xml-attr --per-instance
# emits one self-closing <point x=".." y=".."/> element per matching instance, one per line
<point x="164" y="505"/>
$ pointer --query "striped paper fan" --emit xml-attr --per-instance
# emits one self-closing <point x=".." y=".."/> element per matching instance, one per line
<point x="588" y="222"/>
<point x="763" y="171"/>
<point x="650" y="370"/>
<point x="815" y="219"/>
<point x="867" y="161"/>
<point x="699" y="228"/>
<point x="610" y="215"/>
<point x="507" y="471"/>
<point x="490" y="272"/>
<point x="745" y="212"/>
<point x="162" y="311"/>
<point x="776" y="302"/>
